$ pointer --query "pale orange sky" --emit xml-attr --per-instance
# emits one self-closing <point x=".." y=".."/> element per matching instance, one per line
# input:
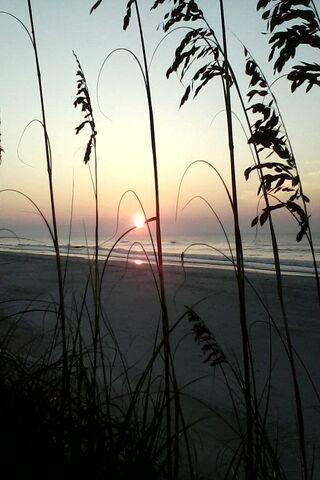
<point x="124" y="155"/>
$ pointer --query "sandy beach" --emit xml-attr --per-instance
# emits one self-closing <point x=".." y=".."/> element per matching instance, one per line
<point x="130" y="302"/>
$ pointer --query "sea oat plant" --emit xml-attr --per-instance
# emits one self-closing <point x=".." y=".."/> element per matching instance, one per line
<point x="197" y="44"/>
<point x="292" y="25"/>
<point x="140" y="431"/>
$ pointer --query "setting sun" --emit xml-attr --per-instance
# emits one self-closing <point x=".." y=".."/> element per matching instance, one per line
<point x="139" y="220"/>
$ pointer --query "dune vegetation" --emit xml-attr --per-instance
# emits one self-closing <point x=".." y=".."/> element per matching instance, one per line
<point x="69" y="404"/>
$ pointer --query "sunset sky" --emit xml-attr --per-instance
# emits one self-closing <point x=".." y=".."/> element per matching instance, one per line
<point x="196" y="131"/>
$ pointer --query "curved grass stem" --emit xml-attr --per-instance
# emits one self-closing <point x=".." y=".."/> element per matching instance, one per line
<point x="55" y="238"/>
<point x="250" y="469"/>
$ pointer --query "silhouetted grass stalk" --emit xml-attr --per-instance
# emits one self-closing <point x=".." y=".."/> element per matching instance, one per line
<point x="55" y="237"/>
<point x="250" y="468"/>
<point x="277" y="264"/>
<point x="303" y="32"/>
<point x="83" y="99"/>
<point x="289" y="345"/>
<point x="164" y="310"/>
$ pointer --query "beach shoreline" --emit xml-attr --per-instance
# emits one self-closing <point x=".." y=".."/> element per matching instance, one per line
<point x="187" y="263"/>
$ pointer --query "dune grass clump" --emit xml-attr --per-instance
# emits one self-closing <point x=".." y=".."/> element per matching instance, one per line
<point x="84" y="441"/>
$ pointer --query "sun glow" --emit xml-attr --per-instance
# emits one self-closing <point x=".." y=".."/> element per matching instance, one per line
<point x="139" y="220"/>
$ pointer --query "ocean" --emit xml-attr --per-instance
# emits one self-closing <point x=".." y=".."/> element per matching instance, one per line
<point x="196" y="251"/>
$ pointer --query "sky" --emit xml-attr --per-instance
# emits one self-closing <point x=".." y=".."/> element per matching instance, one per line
<point x="197" y="131"/>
